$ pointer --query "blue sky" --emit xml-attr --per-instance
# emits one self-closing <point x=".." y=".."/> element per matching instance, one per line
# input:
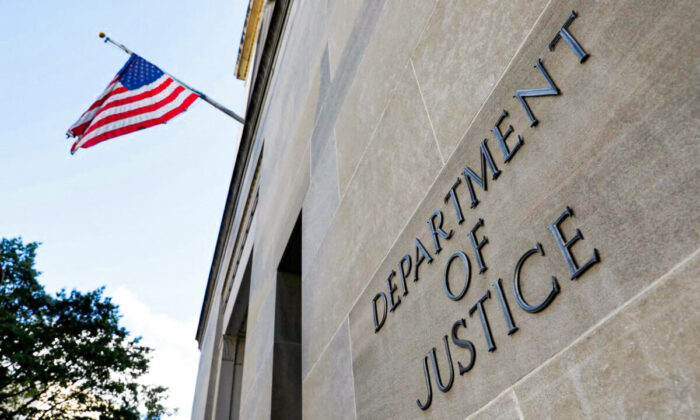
<point x="140" y="213"/>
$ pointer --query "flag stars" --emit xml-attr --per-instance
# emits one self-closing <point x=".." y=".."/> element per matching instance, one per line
<point x="138" y="73"/>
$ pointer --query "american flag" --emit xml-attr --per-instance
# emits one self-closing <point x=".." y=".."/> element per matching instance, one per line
<point x="140" y="96"/>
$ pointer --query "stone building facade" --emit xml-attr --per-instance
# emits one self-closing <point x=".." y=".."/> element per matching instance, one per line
<point x="460" y="209"/>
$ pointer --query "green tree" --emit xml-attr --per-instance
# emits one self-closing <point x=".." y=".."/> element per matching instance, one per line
<point x="66" y="356"/>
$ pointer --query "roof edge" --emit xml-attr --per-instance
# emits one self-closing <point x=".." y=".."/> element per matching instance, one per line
<point x="250" y="32"/>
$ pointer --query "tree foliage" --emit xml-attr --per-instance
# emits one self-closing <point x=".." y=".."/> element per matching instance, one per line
<point x="66" y="356"/>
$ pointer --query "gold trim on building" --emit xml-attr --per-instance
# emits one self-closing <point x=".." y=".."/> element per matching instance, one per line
<point x="250" y="33"/>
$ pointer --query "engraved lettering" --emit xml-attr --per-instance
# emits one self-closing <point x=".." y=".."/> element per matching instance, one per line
<point x="470" y="176"/>
<point x="377" y="322"/>
<point x="391" y="287"/>
<point x="533" y="309"/>
<point x="477" y="245"/>
<point x="467" y="276"/>
<point x="421" y="255"/>
<point x="465" y="344"/>
<point x="404" y="271"/>
<point x="438" y="377"/>
<point x="479" y="306"/>
<point x="521" y="94"/>
<point x="565" y="246"/>
<point x="452" y="195"/>
<point x="429" y="399"/>
<point x="437" y="230"/>
<point x="502" y="137"/>
<point x="504" y="307"/>
<point x="569" y="39"/>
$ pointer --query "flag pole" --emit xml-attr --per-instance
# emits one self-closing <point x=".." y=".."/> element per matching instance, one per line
<point x="201" y="95"/>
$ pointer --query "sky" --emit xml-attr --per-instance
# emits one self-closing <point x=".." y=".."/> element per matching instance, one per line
<point x="138" y="214"/>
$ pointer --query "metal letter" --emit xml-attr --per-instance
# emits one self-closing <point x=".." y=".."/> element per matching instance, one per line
<point x="429" y="399"/>
<point x="392" y="288"/>
<point x="516" y="283"/>
<point x="438" y="378"/>
<point x="479" y="306"/>
<point x="465" y="344"/>
<point x="570" y="40"/>
<point x="470" y="176"/>
<point x="478" y="245"/>
<point x="377" y="323"/>
<point x="501" y="137"/>
<point x="435" y="231"/>
<point x="504" y="307"/>
<point x="421" y="254"/>
<point x="467" y="276"/>
<point x="403" y="272"/>
<point x="521" y="94"/>
<point x="565" y="246"/>
<point x="452" y="195"/>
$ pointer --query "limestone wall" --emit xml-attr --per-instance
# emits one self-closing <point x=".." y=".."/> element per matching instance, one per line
<point x="376" y="109"/>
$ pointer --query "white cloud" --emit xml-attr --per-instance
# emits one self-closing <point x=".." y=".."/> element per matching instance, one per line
<point x="175" y="355"/>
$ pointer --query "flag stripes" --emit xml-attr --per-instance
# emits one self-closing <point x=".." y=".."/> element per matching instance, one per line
<point x="140" y="96"/>
<point x="139" y="123"/>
